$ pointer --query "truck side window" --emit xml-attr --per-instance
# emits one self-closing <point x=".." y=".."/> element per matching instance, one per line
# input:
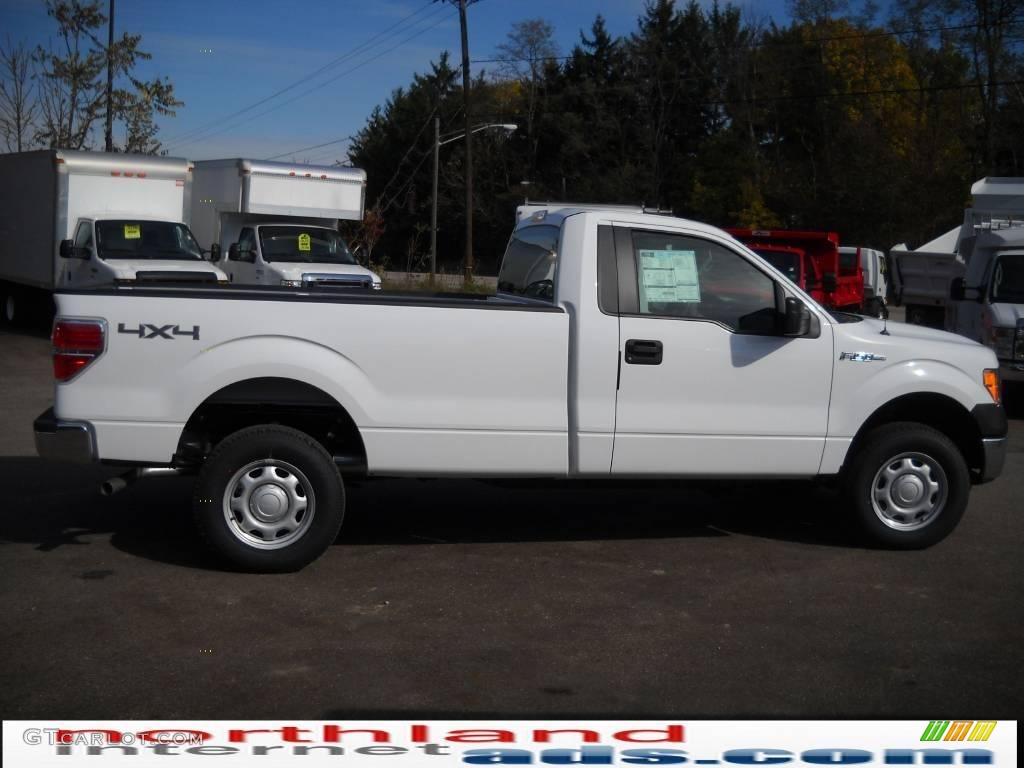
<point x="529" y="265"/>
<point x="680" y="276"/>
<point x="83" y="237"/>
<point x="247" y="244"/>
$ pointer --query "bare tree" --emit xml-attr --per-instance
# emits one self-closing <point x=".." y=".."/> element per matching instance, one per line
<point x="529" y="46"/>
<point x="18" y="108"/>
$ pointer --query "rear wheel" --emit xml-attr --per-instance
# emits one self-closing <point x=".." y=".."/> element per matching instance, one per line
<point x="269" y="499"/>
<point x="908" y="485"/>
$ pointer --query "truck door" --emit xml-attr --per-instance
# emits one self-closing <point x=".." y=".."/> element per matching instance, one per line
<point x="244" y="270"/>
<point x="81" y="273"/>
<point x="706" y="386"/>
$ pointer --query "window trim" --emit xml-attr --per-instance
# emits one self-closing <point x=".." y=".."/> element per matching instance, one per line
<point x="628" y="266"/>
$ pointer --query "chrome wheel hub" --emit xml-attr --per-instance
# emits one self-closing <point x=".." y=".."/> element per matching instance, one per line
<point x="268" y="504"/>
<point x="909" y="491"/>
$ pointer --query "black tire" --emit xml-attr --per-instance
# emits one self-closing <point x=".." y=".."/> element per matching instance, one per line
<point x="283" y="469"/>
<point x="897" y="463"/>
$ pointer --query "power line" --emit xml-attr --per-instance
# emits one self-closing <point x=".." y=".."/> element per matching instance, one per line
<point x="306" y="149"/>
<point x="324" y="84"/>
<point x="390" y="32"/>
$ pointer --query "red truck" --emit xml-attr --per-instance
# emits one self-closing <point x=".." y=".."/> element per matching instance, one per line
<point x="812" y="261"/>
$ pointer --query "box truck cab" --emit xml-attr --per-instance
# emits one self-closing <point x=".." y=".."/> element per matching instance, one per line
<point x="278" y="222"/>
<point x="988" y="301"/>
<point x="75" y="219"/>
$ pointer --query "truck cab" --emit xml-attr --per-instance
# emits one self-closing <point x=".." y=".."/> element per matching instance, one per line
<point x="278" y="222"/>
<point x="295" y="255"/>
<point x="124" y="248"/>
<point x="987" y="303"/>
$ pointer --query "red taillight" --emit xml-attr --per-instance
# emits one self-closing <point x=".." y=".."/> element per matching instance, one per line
<point x="76" y="343"/>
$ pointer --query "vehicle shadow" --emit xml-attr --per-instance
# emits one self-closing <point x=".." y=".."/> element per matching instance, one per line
<point x="54" y="505"/>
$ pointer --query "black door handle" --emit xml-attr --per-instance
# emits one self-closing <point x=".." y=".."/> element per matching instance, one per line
<point x="643" y="352"/>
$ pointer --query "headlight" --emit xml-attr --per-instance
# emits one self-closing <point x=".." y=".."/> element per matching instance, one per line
<point x="376" y="285"/>
<point x="291" y="283"/>
<point x="1002" y="342"/>
<point x="990" y="378"/>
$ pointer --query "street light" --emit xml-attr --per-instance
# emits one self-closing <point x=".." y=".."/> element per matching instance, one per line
<point x="438" y="143"/>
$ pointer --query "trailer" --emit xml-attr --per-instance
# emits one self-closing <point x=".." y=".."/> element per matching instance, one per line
<point x="278" y="222"/>
<point x="57" y="206"/>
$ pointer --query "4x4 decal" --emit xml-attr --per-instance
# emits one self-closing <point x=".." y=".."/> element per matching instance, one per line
<point x="149" y="331"/>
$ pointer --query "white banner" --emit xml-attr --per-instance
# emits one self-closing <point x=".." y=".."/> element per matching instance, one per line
<point x="427" y="743"/>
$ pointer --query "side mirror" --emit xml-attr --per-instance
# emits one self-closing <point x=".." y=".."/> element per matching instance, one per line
<point x="958" y="289"/>
<point x="797" y="319"/>
<point x="215" y="253"/>
<point x="233" y="252"/>
<point x="829" y="282"/>
<point x="69" y="251"/>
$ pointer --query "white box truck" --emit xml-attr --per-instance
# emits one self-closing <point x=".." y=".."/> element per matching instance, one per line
<point x="278" y="222"/>
<point x="79" y="219"/>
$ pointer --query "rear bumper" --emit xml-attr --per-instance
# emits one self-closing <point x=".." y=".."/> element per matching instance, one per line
<point x="64" y="440"/>
<point x="994" y="428"/>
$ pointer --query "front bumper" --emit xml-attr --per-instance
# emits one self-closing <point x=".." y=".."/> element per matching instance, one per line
<point x="64" y="440"/>
<point x="994" y="428"/>
<point x="1011" y="371"/>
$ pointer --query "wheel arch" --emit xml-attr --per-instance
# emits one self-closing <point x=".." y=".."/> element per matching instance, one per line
<point x="272" y="400"/>
<point x="941" y="412"/>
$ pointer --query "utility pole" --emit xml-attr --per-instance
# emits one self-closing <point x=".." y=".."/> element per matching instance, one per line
<point x="110" y="81"/>
<point x="467" y="265"/>
<point x="433" y="206"/>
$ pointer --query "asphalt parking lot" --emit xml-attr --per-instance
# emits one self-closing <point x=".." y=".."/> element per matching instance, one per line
<point x="444" y="599"/>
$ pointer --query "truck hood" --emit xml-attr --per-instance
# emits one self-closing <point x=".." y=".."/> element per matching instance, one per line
<point x="127" y="269"/>
<point x="291" y="271"/>
<point x="1007" y="315"/>
<point x="906" y="343"/>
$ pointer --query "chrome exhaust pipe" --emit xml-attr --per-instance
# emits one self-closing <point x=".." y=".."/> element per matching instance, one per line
<point x="119" y="483"/>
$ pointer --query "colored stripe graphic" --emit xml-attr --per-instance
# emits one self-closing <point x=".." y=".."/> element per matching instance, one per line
<point x="958" y="730"/>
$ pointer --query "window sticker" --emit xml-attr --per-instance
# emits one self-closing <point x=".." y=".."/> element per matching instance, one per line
<point x="304" y="242"/>
<point x="131" y="232"/>
<point x="669" y="276"/>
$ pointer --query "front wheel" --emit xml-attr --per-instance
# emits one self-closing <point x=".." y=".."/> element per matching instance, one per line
<point x="269" y="499"/>
<point x="908" y="485"/>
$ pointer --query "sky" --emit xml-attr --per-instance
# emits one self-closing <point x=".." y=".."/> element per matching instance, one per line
<point x="229" y="59"/>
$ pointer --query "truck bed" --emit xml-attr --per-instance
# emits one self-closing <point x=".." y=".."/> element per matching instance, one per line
<point x="433" y="381"/>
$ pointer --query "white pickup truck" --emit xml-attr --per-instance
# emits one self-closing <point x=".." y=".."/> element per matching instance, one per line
<point x="620" y="345"/>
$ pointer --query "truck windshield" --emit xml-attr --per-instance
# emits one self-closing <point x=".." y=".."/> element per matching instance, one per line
<point x="1008" y="279"/>
<point x="135" y="239"/>
<point x="307" y="245"/>
<point x="528" y="268"/>
<point x="787" y="263"/>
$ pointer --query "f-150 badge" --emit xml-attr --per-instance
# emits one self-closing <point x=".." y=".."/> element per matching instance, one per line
<point x="149" y="331"/>
<point x="861" y="357"/>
